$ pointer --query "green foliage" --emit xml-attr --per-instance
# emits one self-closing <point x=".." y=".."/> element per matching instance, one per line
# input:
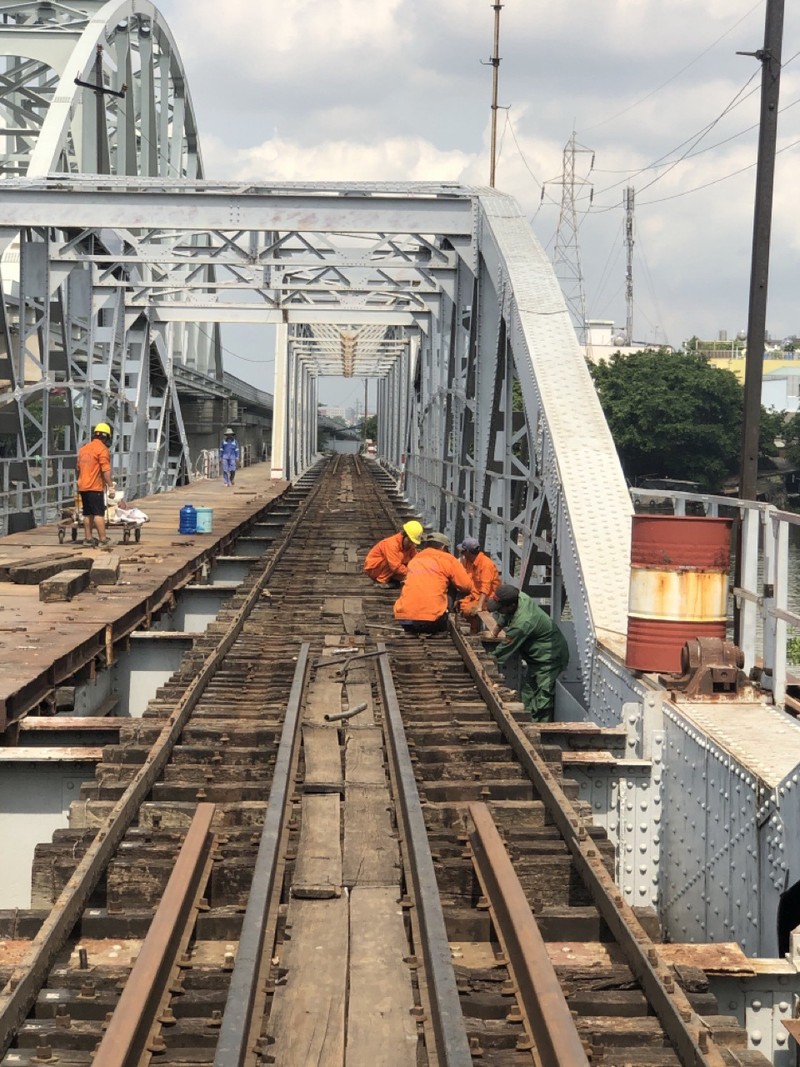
<point x="773" y="425"/>
<point x="793" y="649"/>
<point x="371" y="429"/>
<point x="672" y="415"/>
<point x="791" y="437"/>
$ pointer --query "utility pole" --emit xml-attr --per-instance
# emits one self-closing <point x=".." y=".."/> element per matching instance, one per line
<point x="770" y="58"/>
<point x="628" y="200"/>
<point x="566" y="254"/>
<point x="495" y="63"/>
<point x="102" y="161"/>
<point x="366" y="401"/>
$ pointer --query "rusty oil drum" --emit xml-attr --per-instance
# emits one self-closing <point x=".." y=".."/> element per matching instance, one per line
<point x="678" y="588"/>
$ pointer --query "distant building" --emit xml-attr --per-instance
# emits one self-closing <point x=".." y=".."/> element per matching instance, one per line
<point x="780" y="367"/>
<point x="603" y="340"/>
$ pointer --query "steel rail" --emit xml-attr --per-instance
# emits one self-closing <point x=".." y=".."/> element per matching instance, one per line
<point x="235" y="1035"/>
<point x="24" y="983"/>
<point x="547" y="1015"/>
<point x="692" y="1041"/>
<point x="126" y="1036"/>
<point x="452" y="1044"/>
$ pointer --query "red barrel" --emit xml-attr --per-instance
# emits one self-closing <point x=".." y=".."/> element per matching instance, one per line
<point x="679" y="587"/>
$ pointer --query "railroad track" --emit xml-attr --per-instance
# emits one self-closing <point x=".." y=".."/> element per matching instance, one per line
<point x="329" y="842"/>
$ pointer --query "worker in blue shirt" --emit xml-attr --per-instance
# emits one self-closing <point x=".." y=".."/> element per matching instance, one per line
<point x="229" y="456"/>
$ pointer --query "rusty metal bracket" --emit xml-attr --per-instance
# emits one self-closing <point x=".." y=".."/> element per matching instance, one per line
<point x="711" y="670"/>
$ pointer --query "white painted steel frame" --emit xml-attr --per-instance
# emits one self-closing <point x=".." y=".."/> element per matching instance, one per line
<point x="486" y="410"/>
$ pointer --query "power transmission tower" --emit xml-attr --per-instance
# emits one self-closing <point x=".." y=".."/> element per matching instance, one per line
<point x="566" y="256"/>
<point x="628" y="200"/>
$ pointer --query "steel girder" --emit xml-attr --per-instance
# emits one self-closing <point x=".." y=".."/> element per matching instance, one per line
<point x="443" y="294"/>
<point x="71" y="353"/>
<point x="486" y="409"/>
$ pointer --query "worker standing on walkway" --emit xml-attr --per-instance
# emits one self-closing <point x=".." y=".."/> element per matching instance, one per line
<point x="484" y="574"/>
<point x="229" y="456"/>
<point x="94" y="477"/>
<point x="423" y="604"/>
<point x="387" y="562"/>
<point x="530" y="633"/>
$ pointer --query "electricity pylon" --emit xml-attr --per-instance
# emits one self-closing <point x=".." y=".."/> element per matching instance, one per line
<point x="566" y="255"/>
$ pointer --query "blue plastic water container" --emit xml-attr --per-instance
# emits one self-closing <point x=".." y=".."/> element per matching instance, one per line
<point x="188" y="520"/>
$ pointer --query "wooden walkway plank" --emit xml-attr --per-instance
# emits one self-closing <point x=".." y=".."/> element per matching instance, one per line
<point x="324" y="697"/>
<point x="318" y="868"/>
<point x="364" y="756"/>
<point x="371" y="855"/>
<point x="381" y="1031"/>
<point x="73" y="633"/>
<point x="323" y="759"/>
<point x="358" y="692"/>
<point x="307" y="1020"/>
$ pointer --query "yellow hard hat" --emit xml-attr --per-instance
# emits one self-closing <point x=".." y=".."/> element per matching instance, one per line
<point x="413" y="531"/>
<point x="103" y="427"/>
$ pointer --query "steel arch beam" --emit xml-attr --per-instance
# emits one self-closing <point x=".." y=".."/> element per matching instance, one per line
<point x="82" y="355"/>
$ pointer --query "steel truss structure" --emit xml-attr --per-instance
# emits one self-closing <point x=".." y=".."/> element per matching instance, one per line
<point x="99" y="88"/>
<point x="114" y="288"/>
<point x="439" y="292"/>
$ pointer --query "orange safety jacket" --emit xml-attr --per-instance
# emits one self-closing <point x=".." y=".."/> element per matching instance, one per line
<point x="430" y="573"/>
<point x="388" y="560"/>
<point x="485" y="577"/>
<point x="93" y="462"/>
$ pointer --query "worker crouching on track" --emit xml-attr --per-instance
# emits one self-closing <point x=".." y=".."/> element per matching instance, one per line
<point x="387" y="562"/>
<point x="485" y="577"/>
<point x="530" y="633"/>
<point x="94" y="477"/>
<point x="423" y="605"/>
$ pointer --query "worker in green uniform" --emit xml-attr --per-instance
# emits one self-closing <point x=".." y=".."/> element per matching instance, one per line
<point x="530" y="633"/>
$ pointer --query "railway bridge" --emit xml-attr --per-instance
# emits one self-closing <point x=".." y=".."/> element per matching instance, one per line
<point x="120" y="263"/>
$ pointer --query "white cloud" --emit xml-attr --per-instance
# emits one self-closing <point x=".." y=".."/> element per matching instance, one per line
<point x="392" y="159"/>
<point x="371" y="90"/>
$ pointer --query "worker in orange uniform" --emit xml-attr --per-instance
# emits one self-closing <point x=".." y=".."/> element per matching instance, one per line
<point x="484" y="574"/>
<point x="94" y="477"/>
<point x="387" y="562"/>
<point x="422" y="606"/>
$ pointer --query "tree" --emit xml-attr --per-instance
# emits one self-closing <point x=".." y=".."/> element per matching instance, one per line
<point x="371" y="428"/>
<point x="791" y="437"/>
<point x="672" y="415"/>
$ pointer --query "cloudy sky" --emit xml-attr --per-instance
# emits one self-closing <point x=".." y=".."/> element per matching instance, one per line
<point x="654" y="90"/>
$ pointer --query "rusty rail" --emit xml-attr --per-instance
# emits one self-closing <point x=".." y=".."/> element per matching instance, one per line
<point x="130" y="1026"/>
<point x="692" y="1041"/>
<point x="546" y="1014"/>
<point x="24" y="984"/>
<point x="235" y="1037"/>
<point x="452" y="1044"/>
